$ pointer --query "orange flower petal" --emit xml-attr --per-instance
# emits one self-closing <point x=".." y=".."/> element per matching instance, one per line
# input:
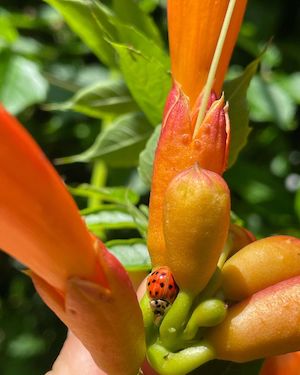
<point x="194" y="28"/>
<point x="107" y="321"/>
<point x="287" y="364"/>
<point x="40" y="223"/>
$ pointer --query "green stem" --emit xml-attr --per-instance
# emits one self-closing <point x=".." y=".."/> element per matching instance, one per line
<point x="214" y="65"/>
<point x="98" y="179"/>
<point x="182" y="362"/>
<point x="208" y="313"/>
<point x="175" y="319"/>
<point x="151" y="331"/>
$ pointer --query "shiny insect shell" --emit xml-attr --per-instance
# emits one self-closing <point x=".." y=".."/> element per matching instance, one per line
<point x="162" y="290"/>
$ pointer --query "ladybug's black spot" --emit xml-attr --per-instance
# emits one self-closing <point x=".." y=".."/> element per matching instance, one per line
<point x="156" y="293"/>
<point x="153" y="281"/>
<point x="152" y="273"/>
<point x="156" y="273"/>
<point x="162" y="285"/>
<point x="170" y="286"/>
<point x="148" y="283"/>
<point x="150" y="293"/>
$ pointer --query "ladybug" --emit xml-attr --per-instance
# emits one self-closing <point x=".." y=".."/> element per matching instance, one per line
<point x="162" y="290"/>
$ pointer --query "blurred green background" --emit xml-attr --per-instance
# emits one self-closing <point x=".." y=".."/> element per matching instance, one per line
<point x="42" y="61"/>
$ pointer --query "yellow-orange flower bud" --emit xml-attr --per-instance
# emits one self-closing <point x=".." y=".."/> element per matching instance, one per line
<point x="264" y="325"/>
<point x="261" y="264"/>
<point x="196" y="220"/>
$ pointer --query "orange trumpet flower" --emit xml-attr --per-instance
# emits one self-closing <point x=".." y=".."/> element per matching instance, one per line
<point x="73" y="271"/>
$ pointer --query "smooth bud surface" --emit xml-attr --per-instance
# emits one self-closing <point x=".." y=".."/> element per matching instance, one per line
<point x="196" y="220"/>
<point x="264" y="325"/>
<point x="259" y="265"/>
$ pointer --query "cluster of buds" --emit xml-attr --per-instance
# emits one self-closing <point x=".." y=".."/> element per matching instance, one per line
<point x="238" y="297"/>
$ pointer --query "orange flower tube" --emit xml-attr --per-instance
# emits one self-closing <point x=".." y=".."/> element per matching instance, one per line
<point x="194" y="28"/>
<point x="40" y="224"/>
<point x="261" y="264"/>
<point x="264" y="325"/>
<point x="73" y="271"/>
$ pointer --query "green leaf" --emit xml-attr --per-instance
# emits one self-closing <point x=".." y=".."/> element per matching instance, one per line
<point x="147" y="157"/>
<point x="130" y="13"/>
<point x="145" y="68"/>
<point x="148" y="6"/>
<point x="120" y="144"/>
<point x="139" y="218"/>
<point x="120" y="195"/>
<point x="269" y="102"/>
<point x="90" y="21"/>
<point x="133" y="253"/>
<point x="291" y="83"/>
<point x="21" y="83"/>
<point x="8" y="32"/>
<point x="236" y="93"/>
<point x="109" y="219"/>
<point x="105" y="98"/>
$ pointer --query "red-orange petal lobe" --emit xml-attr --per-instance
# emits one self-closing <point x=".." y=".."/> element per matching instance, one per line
<point x="211" y="142"/>
<point x="40" y="223"/>
<point x="194" y="28"/>
<point x="287" y="364"/>
<point x="108" y="321"/>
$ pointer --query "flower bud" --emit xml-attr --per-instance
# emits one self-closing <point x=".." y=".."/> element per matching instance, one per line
<point x="259" y="265"/>
<point x="179" y="148"/>
<point x="196" y="220"/>
<point x="264" y="325"/>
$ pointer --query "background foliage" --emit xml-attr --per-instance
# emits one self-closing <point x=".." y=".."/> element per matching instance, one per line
<point x="91" y="92"/>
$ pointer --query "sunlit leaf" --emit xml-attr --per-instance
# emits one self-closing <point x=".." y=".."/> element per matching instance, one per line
<point x="145" y="68"/>
<point x="120" y="144"/>
<point x="21" y="83"/>
<point x="129" y="12"/>
<point x="133" y="253"/>
<point x="108" y="97"/>
<point x="109" y="219"/>
<point x="121" y="195"/>
<point x="90" y="22"/>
